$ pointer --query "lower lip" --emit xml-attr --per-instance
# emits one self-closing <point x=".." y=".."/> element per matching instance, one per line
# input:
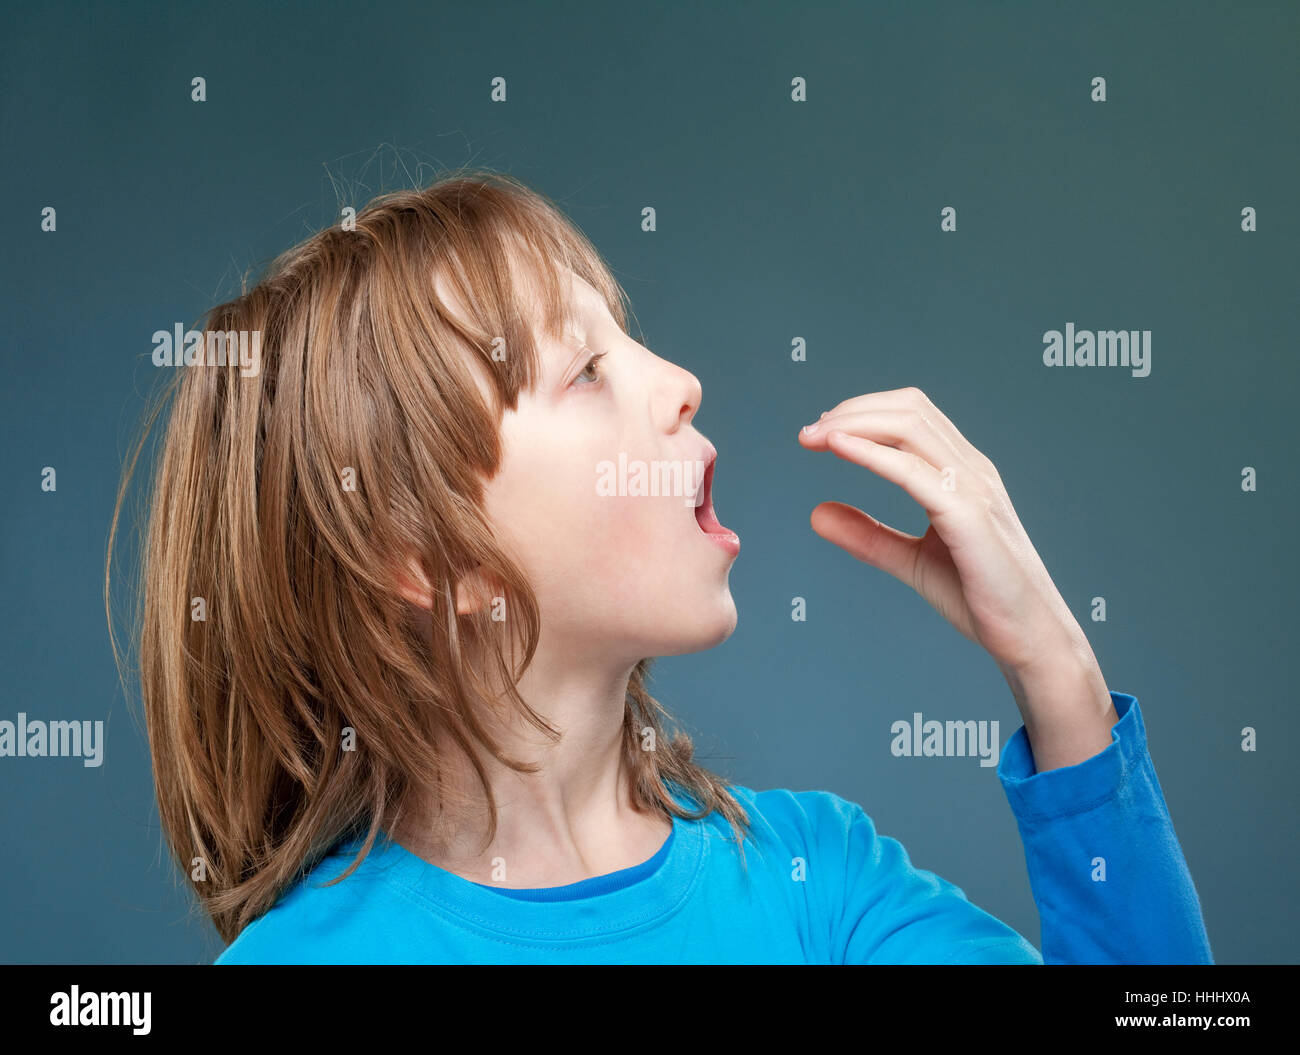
<point x="728" y="541"/>
<point x="716" y="533"/>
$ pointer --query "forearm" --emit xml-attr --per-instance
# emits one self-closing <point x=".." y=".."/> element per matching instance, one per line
<point x="1105" y="865"/>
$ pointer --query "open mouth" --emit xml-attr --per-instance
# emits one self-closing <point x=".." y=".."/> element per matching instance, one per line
<point x="705" y="516"/>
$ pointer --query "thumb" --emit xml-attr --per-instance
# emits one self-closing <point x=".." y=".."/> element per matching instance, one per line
<point x="866" y="538"/>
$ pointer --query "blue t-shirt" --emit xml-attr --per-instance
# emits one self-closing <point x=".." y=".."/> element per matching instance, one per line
<point x="817" y="885"/>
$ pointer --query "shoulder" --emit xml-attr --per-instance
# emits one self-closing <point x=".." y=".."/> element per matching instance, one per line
<point x="787" y="805"/>
<point x="830" y="846"/>
<point x="863" y="890"/>
<point x="811" y="819"/>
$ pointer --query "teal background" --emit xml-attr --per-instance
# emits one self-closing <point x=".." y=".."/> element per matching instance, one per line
<point x="775" y="219"/>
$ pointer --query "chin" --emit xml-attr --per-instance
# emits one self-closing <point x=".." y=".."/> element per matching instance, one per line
<point x="694" y="635"/>
<point x="725" y="631"/>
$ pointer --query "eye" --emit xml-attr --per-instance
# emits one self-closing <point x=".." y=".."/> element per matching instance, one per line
<point x="595" y="375"/>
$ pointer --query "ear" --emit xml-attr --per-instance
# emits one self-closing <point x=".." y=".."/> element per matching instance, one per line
<point x="472" y="592"/>
<point x="413" y="586"/>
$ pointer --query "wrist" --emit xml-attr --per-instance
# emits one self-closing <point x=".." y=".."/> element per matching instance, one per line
<point x="1067" y="709"/>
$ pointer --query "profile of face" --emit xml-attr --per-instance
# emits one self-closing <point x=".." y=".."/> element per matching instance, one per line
<point x="619" y="575"/>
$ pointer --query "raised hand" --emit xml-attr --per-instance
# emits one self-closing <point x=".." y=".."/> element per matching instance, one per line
<point x="975" y="565"/>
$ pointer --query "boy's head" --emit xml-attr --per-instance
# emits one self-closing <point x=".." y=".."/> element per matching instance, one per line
<point x="451" y="346"/>
<point x="427" y="483"/>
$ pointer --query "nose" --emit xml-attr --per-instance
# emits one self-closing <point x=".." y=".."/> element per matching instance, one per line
<point x="679" y="393"/>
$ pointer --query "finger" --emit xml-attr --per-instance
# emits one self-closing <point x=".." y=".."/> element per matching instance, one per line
<point x="912" y="398"/>
<point x="866" y="538"/>
<point x="902" y="429"/>
<point x="890" y="399"/>
<point x="910" y="471"/>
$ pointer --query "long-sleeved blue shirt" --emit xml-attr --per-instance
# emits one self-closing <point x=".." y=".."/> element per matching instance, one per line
<point x="818" y="885"/>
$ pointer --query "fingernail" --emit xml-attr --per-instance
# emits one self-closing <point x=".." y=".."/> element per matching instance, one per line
<point x="808" y="430"/>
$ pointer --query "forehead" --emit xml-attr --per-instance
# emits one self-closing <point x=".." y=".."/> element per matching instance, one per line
<point x="583" y="295"/>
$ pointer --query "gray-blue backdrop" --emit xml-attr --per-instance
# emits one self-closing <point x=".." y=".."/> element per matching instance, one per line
<point x="776" y="219"/>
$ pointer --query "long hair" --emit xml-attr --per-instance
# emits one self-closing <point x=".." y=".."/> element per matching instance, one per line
<point x="290" y="697"/>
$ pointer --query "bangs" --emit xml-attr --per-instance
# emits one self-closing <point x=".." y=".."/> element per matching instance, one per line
<point x="511" y="281"/>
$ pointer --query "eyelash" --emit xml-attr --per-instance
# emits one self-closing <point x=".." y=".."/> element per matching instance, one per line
<point x="590" y="363"/>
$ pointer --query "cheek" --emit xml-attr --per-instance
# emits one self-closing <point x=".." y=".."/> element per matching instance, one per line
<point x="589" y="549"/>
<point x="565" y="530"/>
<point x="612" y="539"/>
<point x="648" y="565"/>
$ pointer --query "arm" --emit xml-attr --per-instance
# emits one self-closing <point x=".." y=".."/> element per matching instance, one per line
<point x="884" y="910"/>
<point x="1107" y="872"/>
<point x="1105" y="866"/>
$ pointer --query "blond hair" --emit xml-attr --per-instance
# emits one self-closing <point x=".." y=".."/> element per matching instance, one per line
<point x="305" y="635"/>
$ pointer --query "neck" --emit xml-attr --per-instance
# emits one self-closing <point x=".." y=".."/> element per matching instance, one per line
<point x="571" y="819"/>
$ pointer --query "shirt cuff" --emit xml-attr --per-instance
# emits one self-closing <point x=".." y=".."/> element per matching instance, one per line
<point x="1071" y="790"/>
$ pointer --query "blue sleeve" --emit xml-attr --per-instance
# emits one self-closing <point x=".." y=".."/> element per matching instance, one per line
<point x="1105" y="866"/>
